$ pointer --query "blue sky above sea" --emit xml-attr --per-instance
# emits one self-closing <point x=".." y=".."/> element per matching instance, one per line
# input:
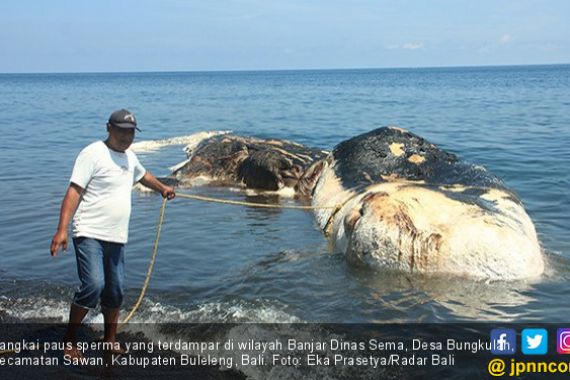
<point x="183" y="35"/>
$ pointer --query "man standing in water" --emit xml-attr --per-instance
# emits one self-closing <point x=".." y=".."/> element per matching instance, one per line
<point x="99" y="194"/>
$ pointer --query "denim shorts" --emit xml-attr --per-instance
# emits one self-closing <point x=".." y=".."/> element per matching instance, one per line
<point x="100" y="266"/>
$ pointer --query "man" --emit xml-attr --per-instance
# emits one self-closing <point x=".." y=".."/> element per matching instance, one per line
<point x="99" y="194"/>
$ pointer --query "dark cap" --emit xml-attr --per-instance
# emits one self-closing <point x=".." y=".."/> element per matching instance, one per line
<point x="123" y="119"/>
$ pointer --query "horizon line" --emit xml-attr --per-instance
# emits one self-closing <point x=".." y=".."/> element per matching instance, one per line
<point x="282" y="70"/>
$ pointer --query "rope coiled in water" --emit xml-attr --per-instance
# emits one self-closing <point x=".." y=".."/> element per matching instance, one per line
<point x="204" y="199"/>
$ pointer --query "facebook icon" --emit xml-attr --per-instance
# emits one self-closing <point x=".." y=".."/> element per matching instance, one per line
<point x="503" y="341"/>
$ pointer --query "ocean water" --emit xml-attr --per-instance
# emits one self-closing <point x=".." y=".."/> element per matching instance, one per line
<point x="222" y="263"/>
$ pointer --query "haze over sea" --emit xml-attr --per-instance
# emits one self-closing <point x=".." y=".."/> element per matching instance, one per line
<point x="220" y="263"/>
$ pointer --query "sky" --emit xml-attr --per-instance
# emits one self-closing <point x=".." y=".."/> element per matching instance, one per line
<point x="187" y="35"/>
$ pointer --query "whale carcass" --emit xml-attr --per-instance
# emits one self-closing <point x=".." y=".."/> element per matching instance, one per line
<point x="402" y="202"/>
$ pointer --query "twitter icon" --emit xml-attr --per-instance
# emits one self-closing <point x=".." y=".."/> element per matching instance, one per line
<point x="534" y="341"/>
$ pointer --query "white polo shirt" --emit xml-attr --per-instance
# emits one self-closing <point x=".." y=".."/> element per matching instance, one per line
<point x="107" y="177"/>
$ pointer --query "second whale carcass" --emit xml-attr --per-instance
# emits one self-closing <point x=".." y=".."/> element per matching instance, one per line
<point x="406" y="204"/>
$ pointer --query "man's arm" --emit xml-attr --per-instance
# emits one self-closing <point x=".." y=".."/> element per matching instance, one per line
<point x="68" y="207"/>
<point x="150" y="181"/>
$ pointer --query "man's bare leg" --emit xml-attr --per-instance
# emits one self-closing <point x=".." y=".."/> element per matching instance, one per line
<point x="111" y="318"/>
<point x="76" y="315"/>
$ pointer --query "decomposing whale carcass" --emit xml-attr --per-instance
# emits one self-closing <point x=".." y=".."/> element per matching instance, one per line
<point x="402" y="203"/>
<point x="229" y="160"/>
<point x="408" y="205"/>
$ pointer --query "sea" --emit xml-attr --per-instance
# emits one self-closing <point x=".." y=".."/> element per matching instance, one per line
<point x="225" y="263"/>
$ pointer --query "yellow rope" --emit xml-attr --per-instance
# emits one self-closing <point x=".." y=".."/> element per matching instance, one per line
<point x="159" y="230"/>
<point x="240" y="203"/>
<point x="150" y="266"/>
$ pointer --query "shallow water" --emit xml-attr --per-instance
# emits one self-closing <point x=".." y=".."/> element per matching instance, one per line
<point x="228" y="263"/>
